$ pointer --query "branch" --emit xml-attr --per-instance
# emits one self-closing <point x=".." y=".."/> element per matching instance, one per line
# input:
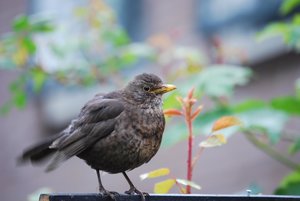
<point x="270" y="151"/>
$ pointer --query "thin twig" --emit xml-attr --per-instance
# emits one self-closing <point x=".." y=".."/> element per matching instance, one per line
<point x="181" y="189"/>
<point x="196" y="158"/>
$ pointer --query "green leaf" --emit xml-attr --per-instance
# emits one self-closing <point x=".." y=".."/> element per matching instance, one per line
<point x="127" y="58"/>
<point x="29" y="45"/>
<point x="296" y="19"/>
<point x="38" y="77"/>
<point x="288" y="5"/>
<point x="117" y="36"/>
<point x="20" y="99"/>
<point x="274" y="29"/>
<point x="21" y="23"/>
<point x="42" y="26"/>
<point x="267" y="119"/>
<point x="170" y="100"/>
<point x="155" y="173"/>
<point x="288" y="104"/>
<point x="188" y="183"/>
<point x="248" y="105"/>
<point x="290" y="185"/>
<point x="295" y="147"/>
<point x="17" y="89"/>
<point x="164" y="186"/>
<point x="220" y="80"/>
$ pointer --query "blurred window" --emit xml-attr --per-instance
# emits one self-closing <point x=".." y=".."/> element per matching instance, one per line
<point x="235" y="15"/>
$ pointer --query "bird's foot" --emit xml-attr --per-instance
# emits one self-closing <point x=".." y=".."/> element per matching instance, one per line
<point x="112" y="194"/>
<point x="133" y="191"/>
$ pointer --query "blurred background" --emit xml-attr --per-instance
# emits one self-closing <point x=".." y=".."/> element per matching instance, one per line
<point x="241" y="56"/>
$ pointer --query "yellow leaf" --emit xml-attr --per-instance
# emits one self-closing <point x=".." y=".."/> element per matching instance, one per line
<point x="155" y="173"/>
<point x="213" y="141"/>
<point x="164" y="186"/>
<point x="225" y="122"/>
<point x="20" y="56"/>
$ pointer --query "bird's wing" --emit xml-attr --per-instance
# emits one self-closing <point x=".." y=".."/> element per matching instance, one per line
<point x="96" y="120"/>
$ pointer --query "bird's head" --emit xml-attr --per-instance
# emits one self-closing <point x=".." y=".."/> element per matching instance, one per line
<point x="147" y="88"/>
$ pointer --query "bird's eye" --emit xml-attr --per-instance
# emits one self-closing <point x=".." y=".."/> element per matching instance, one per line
<point x="146" y="88"/>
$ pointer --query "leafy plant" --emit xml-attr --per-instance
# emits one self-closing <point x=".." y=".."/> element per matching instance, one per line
<point x="212" y="140"/>
<point x="16" y="52"/>
<point x="84" y="58"/>
<point x="289" y="185"/>
<point x="289" y="30"/>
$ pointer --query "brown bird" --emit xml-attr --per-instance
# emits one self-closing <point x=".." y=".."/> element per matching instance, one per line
<point x="114" y="132"/>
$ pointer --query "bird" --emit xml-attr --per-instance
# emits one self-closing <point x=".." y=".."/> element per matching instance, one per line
<point x="114" y="132"/>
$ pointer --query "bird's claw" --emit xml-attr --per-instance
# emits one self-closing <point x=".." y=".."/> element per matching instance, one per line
<point x="133" y="191"/>
<point x="111" y="194"/>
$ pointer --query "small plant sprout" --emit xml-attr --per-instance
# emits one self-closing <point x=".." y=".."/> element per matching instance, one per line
<point x="214" y="139"/>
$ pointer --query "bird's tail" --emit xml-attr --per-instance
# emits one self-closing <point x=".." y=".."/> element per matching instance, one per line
<point x="39" y="152"/>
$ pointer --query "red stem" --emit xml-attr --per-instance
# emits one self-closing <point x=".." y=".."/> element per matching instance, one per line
<point x="190" y="147"/>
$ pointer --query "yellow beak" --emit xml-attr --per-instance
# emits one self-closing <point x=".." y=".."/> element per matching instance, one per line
<point x="164" y="89"/>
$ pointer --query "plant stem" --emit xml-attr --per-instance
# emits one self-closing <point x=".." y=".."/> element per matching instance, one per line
<point x="181" y="189"/>
<point x="270" y="151"/>
<point x="190" y="147"/>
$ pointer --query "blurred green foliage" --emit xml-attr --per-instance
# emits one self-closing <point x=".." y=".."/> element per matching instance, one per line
<point x="265" y="122"/>
<point x="16" y="52"/>
<point x="98" y="54"/>
<point x="105" y="49"/>
<point x="289" y="30"/>
<point x="290" y="185"/>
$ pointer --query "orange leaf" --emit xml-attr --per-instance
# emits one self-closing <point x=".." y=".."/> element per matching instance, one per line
<point x="225" y="122"/>
<point x="172" y="112"/>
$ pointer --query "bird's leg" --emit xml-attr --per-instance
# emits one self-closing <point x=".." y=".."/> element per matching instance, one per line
<point x="133" y="189"/>
<point x="103" y="191"/>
